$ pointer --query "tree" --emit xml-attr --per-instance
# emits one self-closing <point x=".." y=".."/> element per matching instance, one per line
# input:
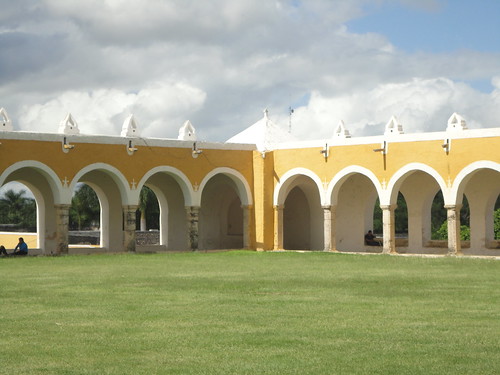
<point x="18" y="209"/>
<point x="85" y="209"/>
<point x="496" y="223"/>
<point x="148" y="211"/>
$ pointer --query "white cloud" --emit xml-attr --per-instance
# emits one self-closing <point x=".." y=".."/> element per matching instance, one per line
<point x="218" y="63"/>
<point x="103" y="111"/>
<point x="420" y="105"/>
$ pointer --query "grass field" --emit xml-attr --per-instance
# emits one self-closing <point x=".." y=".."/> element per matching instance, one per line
<point x="249" y="313"/>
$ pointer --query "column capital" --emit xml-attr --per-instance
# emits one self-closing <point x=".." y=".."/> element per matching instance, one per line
<point x="130" y="207"/>
<point x="453" y="206"/>
<point x="389" y="207"/>
<point x="62" y="206"/>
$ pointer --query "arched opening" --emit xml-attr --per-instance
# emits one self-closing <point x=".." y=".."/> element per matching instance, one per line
<point x="105" y="186"/>
<point x="414" y="213"/>
<point x="356" y="213"/>
<point x="84" y="217"/>
<point x="147" y="218"/>
<point x="296" y="221"/>
<point x="41" y="184"/>
<point x="221" y="215"/>
<point x="18" y="215"/>
<point x="481" y="187"/>
<point x="164" y="222"/>
<point x="303" y="216"/>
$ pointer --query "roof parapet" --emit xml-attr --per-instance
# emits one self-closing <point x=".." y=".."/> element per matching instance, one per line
<point x="393" y="127"/>
<point x="456" y="123"/>
<point x="187" y="132"/>
<point x="341" y="131"/>
<point x="69" y="125"/>
<point x="5" y="123"/>
<point x="130" y="128"/>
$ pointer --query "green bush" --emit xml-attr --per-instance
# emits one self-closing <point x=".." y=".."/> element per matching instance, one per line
<point x="442" y="232"/>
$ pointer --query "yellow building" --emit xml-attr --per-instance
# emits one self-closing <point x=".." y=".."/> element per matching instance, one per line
<point x="261" y="190"/>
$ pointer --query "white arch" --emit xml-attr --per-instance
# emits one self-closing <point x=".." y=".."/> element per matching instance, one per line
<point x="242" y="185"/>
<point x="178" y="176"/>
<point x="341" y="176"/>
<point x="128" y="196"/>
<point x="288" y="178"/>
<point x="464" y="175"/>
<point x="397" y="179"/>
<point x="52" y="178"/>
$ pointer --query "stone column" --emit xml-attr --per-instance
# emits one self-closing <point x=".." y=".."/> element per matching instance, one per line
<point x="278" y="227"/>
<point x="129" y="227"/>
<point x="62" y="221"/>
<point x="389" y="228"/>
<point x="453" y="221"/>
<point x="247" y="238"/>
<point x="193" y="217"/>
<point x="329" y="228"/>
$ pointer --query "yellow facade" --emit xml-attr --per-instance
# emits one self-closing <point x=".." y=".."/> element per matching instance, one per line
<point x="189" y="184"/>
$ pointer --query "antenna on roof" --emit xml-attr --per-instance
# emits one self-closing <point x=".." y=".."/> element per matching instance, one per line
<point x="290" y="111"/>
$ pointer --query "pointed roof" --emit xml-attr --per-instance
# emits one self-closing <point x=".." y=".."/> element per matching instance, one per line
<point x="341" y="131"/>
<point x="393" y="127"/>
<point x="265" y="134"/>
<point x="456" y="123"/>
<point x="5" y="123"/>
<point x="69" y="125"/>
<point x="130" y="128"/>
<point x="187" y="132"/>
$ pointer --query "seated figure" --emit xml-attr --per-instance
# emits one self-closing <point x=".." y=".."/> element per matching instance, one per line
<point x="371" y="240"/>
<point x="21" y="249"/>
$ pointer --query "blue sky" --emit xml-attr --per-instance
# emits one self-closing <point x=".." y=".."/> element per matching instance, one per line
<point x="442" y="27"/>
<point x="448" y="26"/>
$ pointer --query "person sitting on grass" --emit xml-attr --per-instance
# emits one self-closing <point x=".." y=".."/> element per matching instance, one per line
<point x="371" y="240"/>
<point x="20" y="249"/>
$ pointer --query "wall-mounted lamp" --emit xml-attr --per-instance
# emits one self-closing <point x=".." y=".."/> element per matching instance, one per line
<point x="325" y="151"/>
<point x="446" y="145"/>
<point x="382" y="149"/>
<point x="195" y="152"/>
<point x="66" y="146"/>
<point x="130" y="148"/>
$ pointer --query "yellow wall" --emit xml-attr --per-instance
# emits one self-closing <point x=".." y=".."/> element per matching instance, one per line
<point x="10" y="240"/>
<point x="261" y="173"/>
<point x="133" y="167"/>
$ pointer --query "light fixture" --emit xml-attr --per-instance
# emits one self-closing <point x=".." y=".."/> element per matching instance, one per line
<point x="66" y="146"/>
<point x="446" y="145"/>
<point x="130" y="148"/>
<point x="325" y="151"/>
<point x="382" y="149"/>
<point x="195" y="152"/>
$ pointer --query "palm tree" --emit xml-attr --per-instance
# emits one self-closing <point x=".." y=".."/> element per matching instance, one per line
<point x="85" y="208"/>
<point x="18" y="209"/>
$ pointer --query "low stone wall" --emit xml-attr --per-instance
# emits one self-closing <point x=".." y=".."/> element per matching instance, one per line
<point x="92" y="237"/>
<point x="151" y="237"/>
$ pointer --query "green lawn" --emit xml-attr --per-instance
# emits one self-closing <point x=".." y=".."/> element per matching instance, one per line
<point x="249" y="313"/>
